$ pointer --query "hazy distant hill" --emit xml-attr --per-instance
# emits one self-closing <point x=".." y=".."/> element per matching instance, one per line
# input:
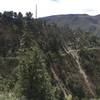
<point x="83" y="21"/>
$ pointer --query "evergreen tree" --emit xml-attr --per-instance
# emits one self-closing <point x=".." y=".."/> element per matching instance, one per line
<point x="33" y="79"/>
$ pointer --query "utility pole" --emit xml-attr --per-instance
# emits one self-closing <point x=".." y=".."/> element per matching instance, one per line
<point x="36" y="11"/>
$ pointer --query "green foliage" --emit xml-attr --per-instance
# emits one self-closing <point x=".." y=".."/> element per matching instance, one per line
<point x="8" y="97"/>
<point x="7" y="74"/>
<point x="29" y="75"/>
<point x="69" y="97"/>
<point x="33" y="79"/>
<point x="98" y="90"/>
<point x="90" y="60"/>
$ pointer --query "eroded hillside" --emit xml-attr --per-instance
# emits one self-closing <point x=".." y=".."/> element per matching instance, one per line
<point x="38" y="60"/>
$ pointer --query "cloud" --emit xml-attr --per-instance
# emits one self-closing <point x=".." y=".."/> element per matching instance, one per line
<point x="89" y="10"/>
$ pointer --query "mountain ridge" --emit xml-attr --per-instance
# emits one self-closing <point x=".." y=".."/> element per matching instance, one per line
<point x="84" y="22"/>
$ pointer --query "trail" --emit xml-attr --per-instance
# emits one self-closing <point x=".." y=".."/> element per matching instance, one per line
<point x="60" y="83"/>
<point x="75" y="55"/>
<point x="76" y="50"/>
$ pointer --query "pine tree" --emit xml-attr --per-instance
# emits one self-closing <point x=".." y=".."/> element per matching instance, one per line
<point x="33" y="79"/>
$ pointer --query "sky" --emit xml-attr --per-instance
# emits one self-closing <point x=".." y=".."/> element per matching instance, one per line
<point x="52" y="7"/>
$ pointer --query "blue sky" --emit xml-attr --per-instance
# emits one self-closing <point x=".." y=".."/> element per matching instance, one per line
<point x="52" y="7"/>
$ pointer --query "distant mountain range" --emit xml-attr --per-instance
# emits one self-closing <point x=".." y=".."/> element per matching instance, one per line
<point x="85" y="22"/>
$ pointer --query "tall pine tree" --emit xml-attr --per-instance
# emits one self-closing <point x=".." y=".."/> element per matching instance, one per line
<point x="33" y="79"/>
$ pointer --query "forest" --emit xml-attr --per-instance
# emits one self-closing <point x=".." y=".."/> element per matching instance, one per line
<point x="41" y="61"/>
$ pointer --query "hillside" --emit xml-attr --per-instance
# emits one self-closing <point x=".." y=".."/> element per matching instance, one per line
<point x="85" y="22"/>
<point x="44" y="62"/>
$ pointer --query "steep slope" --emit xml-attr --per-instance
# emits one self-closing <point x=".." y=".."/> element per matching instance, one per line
<point x="75" y="56"/>
<point x="85" y="22"/>
<point x="75" y="71"/>
<point x="90" y="61"/>
<point x="60" y="83"/>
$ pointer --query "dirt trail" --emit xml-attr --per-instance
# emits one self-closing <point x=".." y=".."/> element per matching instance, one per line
<point x="60" y="83"/>
<point x="75" y="55"/>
